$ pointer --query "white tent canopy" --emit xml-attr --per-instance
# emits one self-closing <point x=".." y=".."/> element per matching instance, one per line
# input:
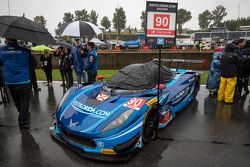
<point x="97" y="41"/>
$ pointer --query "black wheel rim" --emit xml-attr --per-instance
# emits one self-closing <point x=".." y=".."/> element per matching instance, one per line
<point x="150" y="125"/>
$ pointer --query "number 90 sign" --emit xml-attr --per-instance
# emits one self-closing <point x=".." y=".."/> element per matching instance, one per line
<point x="161" y="21"/>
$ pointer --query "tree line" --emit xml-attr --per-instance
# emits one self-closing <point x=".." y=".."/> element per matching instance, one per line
<point x="207" y="20"/>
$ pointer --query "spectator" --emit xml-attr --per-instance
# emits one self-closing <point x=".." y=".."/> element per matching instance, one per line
<point x="32" y="67"/>
<point x="246" y="69"/>
<point x="15" y="60"/>
<point x="92" y="62"/>
<point x="46" y="59"/>
<point x="61" y="63"/>
<point x="213" y="80"/>
<point x="78" y="61"/>
<point x="240" y="44"/>
<point x="201" y="46"/>
<point x="229" y="69"/>
<point x="84" y="54"/>
<point x="67" y="66"/>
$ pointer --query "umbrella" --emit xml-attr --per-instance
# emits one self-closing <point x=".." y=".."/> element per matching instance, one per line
<point x="63" y="44"/>
<point x="97" y="41"/>
<point x="79" y="29"/>
<point x="24" y="29"/>
<point x="40" y="48"/>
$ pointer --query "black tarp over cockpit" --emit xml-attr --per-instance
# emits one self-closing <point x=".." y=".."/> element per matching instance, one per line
<point x="139" y="76"/>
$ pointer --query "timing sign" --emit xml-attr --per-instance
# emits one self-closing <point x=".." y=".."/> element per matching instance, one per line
<point x="161" y="22"/>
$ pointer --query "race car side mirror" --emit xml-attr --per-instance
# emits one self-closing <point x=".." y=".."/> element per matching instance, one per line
<point x="162" y="86"/>
<point x="100" y="77"/>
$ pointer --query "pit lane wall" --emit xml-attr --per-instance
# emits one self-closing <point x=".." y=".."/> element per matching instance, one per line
<point x="118" y="60"/>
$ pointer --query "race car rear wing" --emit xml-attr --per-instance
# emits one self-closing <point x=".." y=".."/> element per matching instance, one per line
<point x="178" y="61"/>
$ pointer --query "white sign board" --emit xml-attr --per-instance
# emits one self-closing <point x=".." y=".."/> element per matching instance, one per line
<point x="161" y="22"/>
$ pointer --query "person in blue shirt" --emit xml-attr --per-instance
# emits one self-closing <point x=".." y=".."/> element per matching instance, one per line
<point x="79" y="61"/>
<point x="15" y="60"/>
<point x="92" y="62"/>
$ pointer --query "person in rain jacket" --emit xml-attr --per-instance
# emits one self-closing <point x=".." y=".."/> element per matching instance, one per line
<point x="15" y="60"/>
<point x="240" y="44"/>
<point x="246" y="69"/>
<point x="213" y="80"/>
<point x="78" y="61"/>
<point x="229" y="70"/>
<point x="92" y="61"/>
<point x="61" y="60"/>
<point x="67" y="66"/>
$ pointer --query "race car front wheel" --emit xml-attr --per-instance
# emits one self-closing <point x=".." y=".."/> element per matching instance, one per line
<point x="150" y="125"/>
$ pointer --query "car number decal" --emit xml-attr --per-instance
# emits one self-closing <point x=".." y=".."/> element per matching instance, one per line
<point x="135" y="103"/>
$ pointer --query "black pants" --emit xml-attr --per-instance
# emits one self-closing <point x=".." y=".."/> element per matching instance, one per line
<point x="21" y="96"/>
<point x="63" y="74"/>
<point x="242" y="81"/>
<point x="92" y="76"/>
<point x="69" y="76"/>
<point x="48" y="73"/>
<point x="33" y="80"/>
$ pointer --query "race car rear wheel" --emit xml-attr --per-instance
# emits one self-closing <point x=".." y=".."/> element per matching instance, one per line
<point x="150" y="125"/>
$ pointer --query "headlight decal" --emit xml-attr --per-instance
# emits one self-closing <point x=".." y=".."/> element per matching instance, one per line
<point x="118" y="121"/>
<point x="131" y="130"/>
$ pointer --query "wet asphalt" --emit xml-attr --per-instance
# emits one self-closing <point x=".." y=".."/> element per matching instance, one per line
<point x="206" y="133"/>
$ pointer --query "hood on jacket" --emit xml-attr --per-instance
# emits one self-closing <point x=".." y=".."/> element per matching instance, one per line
<point x="230" y="47"/>
<point x="217" y="55"/>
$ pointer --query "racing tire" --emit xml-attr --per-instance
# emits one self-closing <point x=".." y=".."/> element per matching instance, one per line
<point x="196" y="88"/>
<point x="150" y="125"/>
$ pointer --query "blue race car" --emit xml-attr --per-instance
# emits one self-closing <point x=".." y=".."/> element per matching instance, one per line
<point x="111" y="120"/>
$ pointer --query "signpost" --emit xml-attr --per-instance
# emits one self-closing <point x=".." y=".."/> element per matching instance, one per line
<point x="161" y="30"/>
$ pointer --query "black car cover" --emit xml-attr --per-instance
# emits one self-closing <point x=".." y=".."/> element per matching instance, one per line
<point x="139" y="77"/>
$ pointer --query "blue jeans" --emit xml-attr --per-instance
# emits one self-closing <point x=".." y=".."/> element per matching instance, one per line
<point x="84" y="76"/>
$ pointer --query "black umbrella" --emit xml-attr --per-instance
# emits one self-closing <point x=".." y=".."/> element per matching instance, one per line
<point x="63" y="44"/>
<point x="79" y="29"/>
<point x="24" y="29"/>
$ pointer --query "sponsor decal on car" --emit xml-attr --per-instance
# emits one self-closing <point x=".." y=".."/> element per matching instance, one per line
<point x="100" y="144"/>
<point x="135" y="103"/>
<point x="191" y="79"/>
<point x="89" y="110"/>
<point x="180" y="95"/>
<point x="152" y="101"/>
<point x="102" y="97"/>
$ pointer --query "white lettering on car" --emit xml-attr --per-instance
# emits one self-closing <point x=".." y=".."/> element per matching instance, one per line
<point x="89" y="109"/>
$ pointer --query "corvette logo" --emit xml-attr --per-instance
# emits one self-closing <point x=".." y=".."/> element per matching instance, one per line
<point x="71" y="123"/>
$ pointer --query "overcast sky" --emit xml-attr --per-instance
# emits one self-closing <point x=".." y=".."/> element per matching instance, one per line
<point x="53" y="10"/>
